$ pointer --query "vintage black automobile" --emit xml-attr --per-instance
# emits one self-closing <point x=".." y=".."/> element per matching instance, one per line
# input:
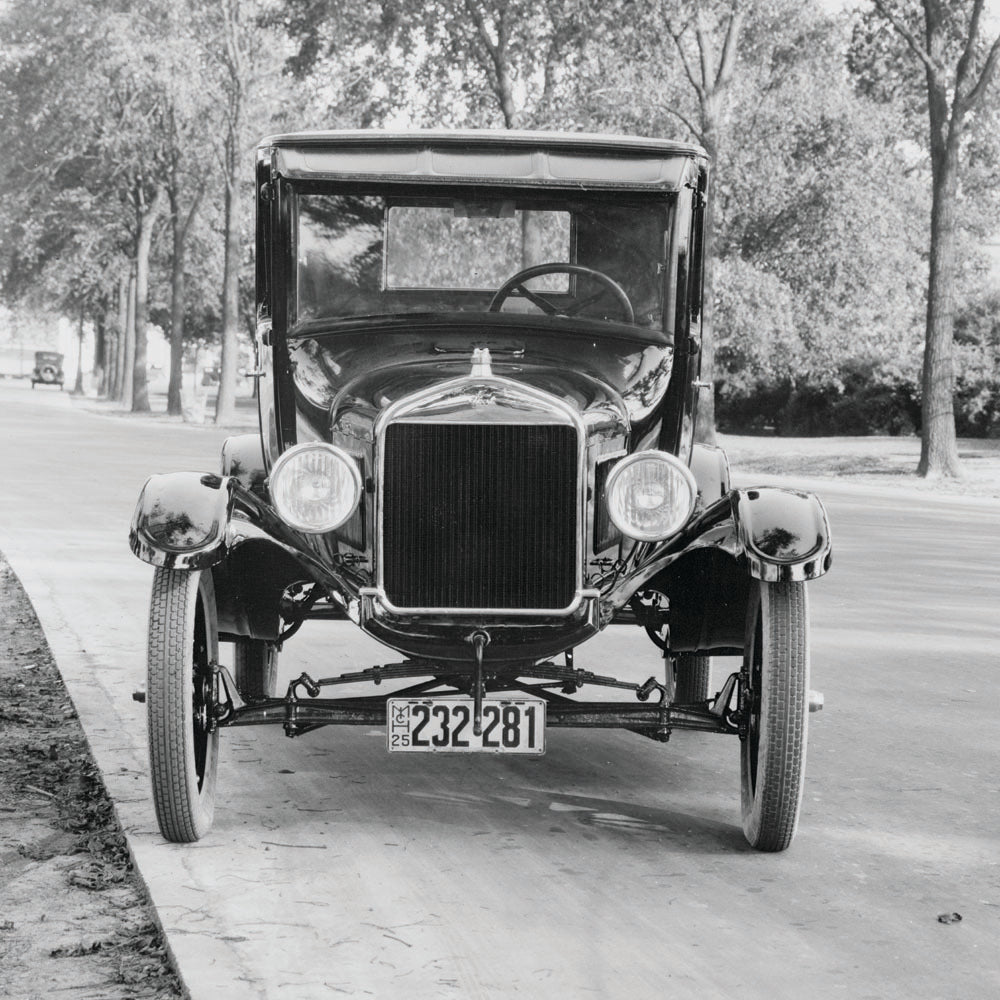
<point x="48" y="369"/>
<point x="478" y="360"/>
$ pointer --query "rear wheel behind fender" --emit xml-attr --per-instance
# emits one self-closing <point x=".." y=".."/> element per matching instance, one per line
<point x="776" y="679"/>
<point x="183" y="740"/>
<point x="255" y="663"/>
<point x="693" y="673"/>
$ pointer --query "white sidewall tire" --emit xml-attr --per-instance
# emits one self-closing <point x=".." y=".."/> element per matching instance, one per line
<point x="773" y="755"/>
<point x="183" y="631"/>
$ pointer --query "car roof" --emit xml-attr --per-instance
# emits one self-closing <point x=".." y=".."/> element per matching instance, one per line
<point x="493" y="156"/>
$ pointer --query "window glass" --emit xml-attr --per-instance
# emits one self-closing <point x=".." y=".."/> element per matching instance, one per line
<point x="475" y="246"/>
<point x="373" y="255"/>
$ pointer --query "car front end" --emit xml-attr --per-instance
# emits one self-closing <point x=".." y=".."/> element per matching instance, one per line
<point x="478" y="362"/>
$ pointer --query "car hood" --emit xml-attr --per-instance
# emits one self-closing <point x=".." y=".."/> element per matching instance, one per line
<point x="351" y="372"/>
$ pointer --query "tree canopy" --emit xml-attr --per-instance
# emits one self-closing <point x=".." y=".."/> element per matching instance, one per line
<point x="129" y="128"/>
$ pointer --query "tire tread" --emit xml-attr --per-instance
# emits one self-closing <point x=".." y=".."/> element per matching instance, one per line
<point x="694" y="674"/>
<point x="771" y="814"/>
<point x="183" y="813"/>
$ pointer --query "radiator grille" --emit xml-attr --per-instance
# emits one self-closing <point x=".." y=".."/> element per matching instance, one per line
<point x="479" y="515"/>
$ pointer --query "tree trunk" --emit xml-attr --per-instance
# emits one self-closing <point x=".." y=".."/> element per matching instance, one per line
<point x="118" y="371"/>
<point x="128" y="360"/>
<point x="114" y="338"/>
<point x="505" y="88"/>
<point x="532" y="250"/>
<point x="176" y="309"/>
<point x="101" y="353"/>
<point x="143" y="245"/>
<point x="938" y="445"/>
<point x="225" y="407"/>
<point x="78" y="385"/>
<point x="181" y="226"/>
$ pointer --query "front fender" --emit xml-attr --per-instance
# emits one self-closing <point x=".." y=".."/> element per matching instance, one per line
<point x="777" y="534"/>
<point x="784" y="534"/>
<point x="181" y="518"/>
<point x="705" y="571"/>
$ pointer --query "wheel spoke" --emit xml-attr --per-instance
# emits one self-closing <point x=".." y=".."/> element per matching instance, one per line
<point x="538" y="300"/>
<point x="515" y="285"/>
<point x="582" y="304"/>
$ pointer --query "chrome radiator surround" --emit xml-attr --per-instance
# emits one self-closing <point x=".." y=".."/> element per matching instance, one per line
<point x="484" y="402"/>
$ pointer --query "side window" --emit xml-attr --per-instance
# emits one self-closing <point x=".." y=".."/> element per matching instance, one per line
<point x="264" y="241"/>
<point x="697" y="250"/>
<point x="338" y="254"/>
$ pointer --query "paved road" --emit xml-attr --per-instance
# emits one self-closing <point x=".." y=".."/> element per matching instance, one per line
<point x="611" y="867"/>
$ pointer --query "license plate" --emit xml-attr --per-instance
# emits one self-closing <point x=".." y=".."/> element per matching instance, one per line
<point x="445" y="725"/>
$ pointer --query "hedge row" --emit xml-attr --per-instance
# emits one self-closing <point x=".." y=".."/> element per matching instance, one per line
<point x="855" y="407"/>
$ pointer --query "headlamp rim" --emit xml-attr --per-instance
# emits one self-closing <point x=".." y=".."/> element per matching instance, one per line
<point x="646" y="455"/>
<point x="287" y="456"/>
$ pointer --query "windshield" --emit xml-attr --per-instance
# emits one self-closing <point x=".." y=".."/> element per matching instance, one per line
<point x="594" y="257"/>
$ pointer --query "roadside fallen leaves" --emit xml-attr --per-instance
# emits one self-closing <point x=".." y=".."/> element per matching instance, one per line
<point x="56" y="818"/>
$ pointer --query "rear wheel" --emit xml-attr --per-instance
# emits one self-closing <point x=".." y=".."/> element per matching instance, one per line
<point x="693" y="674"/>
<point x="776" y="704"/>
<point x="183" y="738"/>
<point x="255" y="663"/>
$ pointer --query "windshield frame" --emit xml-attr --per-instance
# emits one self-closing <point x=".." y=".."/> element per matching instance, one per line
<point x="547" y="198"/>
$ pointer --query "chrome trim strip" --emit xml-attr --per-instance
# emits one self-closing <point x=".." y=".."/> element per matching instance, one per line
<point x="582" y="595"/>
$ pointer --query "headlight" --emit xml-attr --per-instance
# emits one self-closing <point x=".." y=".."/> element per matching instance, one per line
<point x="650" y="495"/>
<point x="315" y="487"/>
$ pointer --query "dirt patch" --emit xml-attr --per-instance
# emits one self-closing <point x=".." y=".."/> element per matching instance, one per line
<point x="74" y="918"/>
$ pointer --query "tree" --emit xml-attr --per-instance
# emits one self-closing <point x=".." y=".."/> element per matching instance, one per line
<point x="60" y="233"/>
<point x="185" y="195"/>
<point x="707" y="45"/>
<point x="679" y="66"/>
<point x="515" y="55"/>
<point x="81" y="106"/>
<point x="954" y="90"/>
<point x="819" y="194"/>
<point x="243" y="59"/>
<point x="486" y="63"/>
<point x="188" y="124"/>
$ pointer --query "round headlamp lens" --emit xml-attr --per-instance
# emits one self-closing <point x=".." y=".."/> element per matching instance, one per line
<point x="315" y="487"/>
<point x="650" y="495"/>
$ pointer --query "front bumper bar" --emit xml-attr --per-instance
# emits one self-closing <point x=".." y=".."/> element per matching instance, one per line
<point x="299" y="715"/>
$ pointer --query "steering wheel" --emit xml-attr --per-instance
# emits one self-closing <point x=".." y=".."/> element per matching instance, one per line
<point x="515" y="285"/>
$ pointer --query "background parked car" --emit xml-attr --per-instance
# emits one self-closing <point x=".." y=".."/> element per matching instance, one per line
<point x="48" y="369"/>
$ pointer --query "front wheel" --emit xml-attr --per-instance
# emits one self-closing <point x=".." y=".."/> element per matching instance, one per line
<point x="776" y="705"/>
<point x="183" y="738"/>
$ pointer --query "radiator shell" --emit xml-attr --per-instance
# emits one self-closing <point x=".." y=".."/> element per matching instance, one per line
<point x="480" y="516"/>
